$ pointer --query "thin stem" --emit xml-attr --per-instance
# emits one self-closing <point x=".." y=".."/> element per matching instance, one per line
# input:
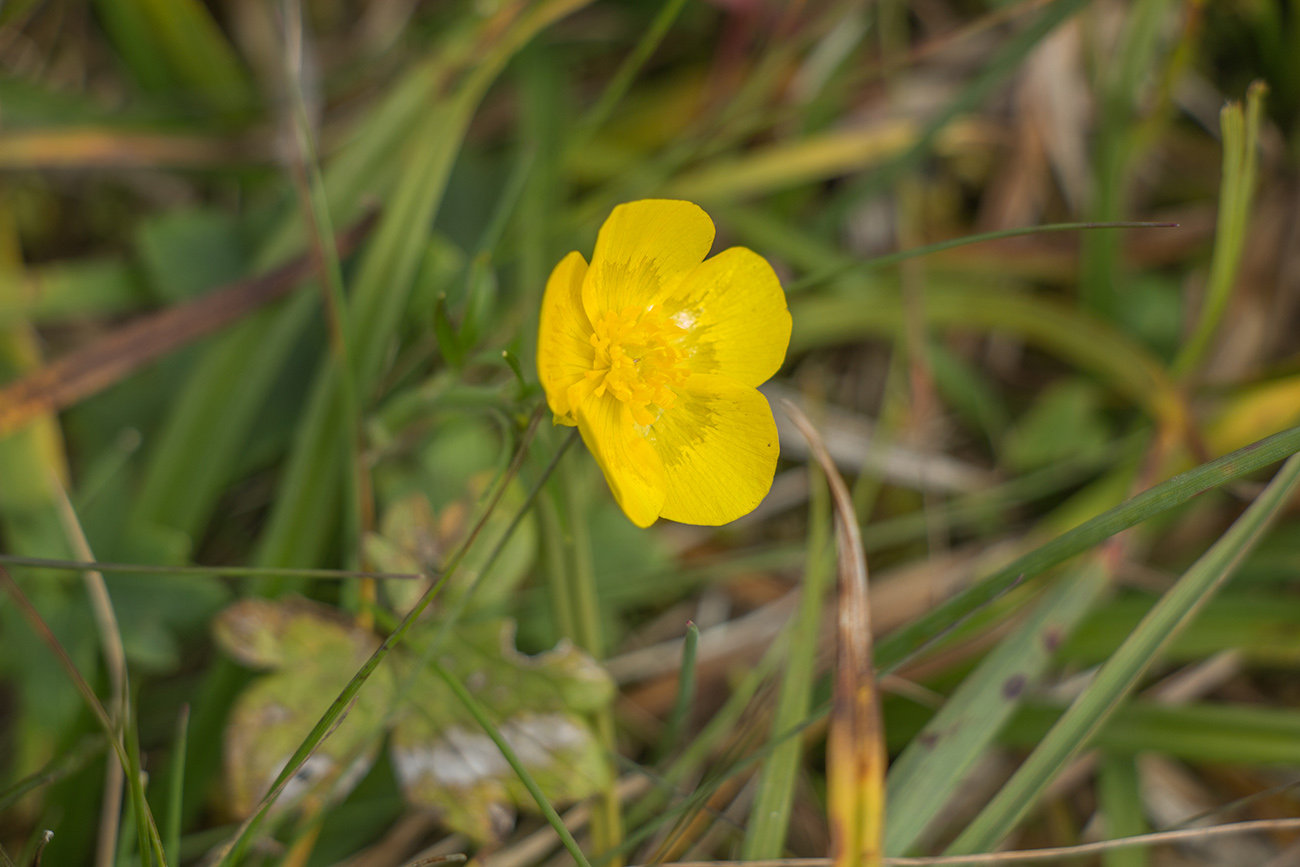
<point x="607" y="816"/>
<point x="480" y="715"/>
<point x="845" y="267"/>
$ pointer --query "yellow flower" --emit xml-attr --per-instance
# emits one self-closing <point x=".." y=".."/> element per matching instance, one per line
<point x="656" y="353"/>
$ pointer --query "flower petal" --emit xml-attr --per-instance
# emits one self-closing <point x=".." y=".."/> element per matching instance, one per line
<point x="735" y="315"/>
<point x="643" y="248"/>
<point x="632" y="468"/>
<point x="564" y="350"/>
<point x="719" y="449"/>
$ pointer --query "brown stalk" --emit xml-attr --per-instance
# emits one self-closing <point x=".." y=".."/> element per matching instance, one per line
<point x="855" y="744"/>
<point x="116" y="355"/>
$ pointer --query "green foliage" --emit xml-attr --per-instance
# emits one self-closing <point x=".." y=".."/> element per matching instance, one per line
<point x="350" y="490"/>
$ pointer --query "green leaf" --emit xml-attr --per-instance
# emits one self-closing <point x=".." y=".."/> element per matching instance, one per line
<point x="313" y="653"/>
<point x="442" y="759"/>
<point x="414" y="538"/>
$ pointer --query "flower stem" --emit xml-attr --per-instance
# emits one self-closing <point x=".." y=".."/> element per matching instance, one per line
<point x="606" y="817"/>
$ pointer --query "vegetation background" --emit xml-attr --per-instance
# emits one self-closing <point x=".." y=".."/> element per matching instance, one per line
<point x="269" y="282"/>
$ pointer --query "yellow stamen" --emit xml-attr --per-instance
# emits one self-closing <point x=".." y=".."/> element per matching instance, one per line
<point x="638" y="360"/>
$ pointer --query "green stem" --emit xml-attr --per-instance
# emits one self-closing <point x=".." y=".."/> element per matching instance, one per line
<point x="480" y="715"/>
<point x="607" y="816"/>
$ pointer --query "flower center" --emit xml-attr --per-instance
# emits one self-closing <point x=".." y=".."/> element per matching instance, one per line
<point x="638" y="360"/>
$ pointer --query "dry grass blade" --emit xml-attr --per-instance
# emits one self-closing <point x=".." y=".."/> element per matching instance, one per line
<point x="1027" y="856"/>
<point x="82" y="148"/>
<point x="855" y="761"/>
<point x="122" y="352"/>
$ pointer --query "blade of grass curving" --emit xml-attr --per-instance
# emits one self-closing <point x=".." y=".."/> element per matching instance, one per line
<point x="845" y="266"/>
<point x="110" y="639"/>
<point x="1237" y="189"/>
<point x="855" y="741"/>
<point x="936" y="762"/>
<point x="1089" y="343"/>
<point x="769" y="817"/>
<point x="480" y="715"/>
<point x="900" y="644"/>
<point x="1121" y="673"/>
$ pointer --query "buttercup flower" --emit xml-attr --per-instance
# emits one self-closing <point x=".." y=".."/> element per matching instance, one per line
<point x="656" y="353"/>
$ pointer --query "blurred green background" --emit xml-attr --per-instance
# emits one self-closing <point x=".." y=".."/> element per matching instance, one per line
<point x="269" y="281"/>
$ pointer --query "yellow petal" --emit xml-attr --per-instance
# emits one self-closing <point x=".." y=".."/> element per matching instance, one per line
<point x="643" y="248"/>
<point x="564" y="350"/>
<point x="632" y="468"/>
<point x="719" y="448"/>
<point x="735" y="315"/>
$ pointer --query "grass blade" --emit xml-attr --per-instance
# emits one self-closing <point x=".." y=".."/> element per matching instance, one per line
<point x="769" y="818"/>
<point x="1240" y="168"/>
<point x="855" y="745"/>
<point x="1122" y="671"/>
<point x="935" y="764"/>
<point x="1167" y="495"/>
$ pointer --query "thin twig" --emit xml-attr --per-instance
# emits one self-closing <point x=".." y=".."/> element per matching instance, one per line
<point x="110" y="637"/>
<point x="1028" y="855"/>
<point x="222" y="571"/>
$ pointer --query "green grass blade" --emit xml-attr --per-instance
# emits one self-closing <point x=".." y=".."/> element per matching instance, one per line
<point x="934" y="765"/>
<point x="769" y="818"/>
<point x="681" y="712"/>
<point x="304" y="513"/>
<point x="1121" y="804"/>
<point x="1089" y="343"/>
<point x="1124" y="669"/>
<point x="176" y="789"/>
<point x="1237" y="190"/>
<point x="169" y="41"/>
<point x="622" y="80"/>
<point x="1167" y="495"/>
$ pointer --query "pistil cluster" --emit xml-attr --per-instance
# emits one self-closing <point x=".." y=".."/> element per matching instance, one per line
<point x="638" y="360"/>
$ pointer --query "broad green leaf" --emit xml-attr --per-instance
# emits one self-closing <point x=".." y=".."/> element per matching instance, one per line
<point x="312" y="653"/>
<point x="441" y="756"/>
<point x="413" y="538"/>
<point x="446" y="762"/>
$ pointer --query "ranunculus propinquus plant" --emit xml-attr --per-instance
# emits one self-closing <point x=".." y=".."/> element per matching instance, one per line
<point x="655" y="353"/>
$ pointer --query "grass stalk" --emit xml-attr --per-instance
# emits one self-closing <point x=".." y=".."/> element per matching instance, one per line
<point x="1121" y="673"/>
<point x="769" y="817"/>
<point x="607" y="813"/>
